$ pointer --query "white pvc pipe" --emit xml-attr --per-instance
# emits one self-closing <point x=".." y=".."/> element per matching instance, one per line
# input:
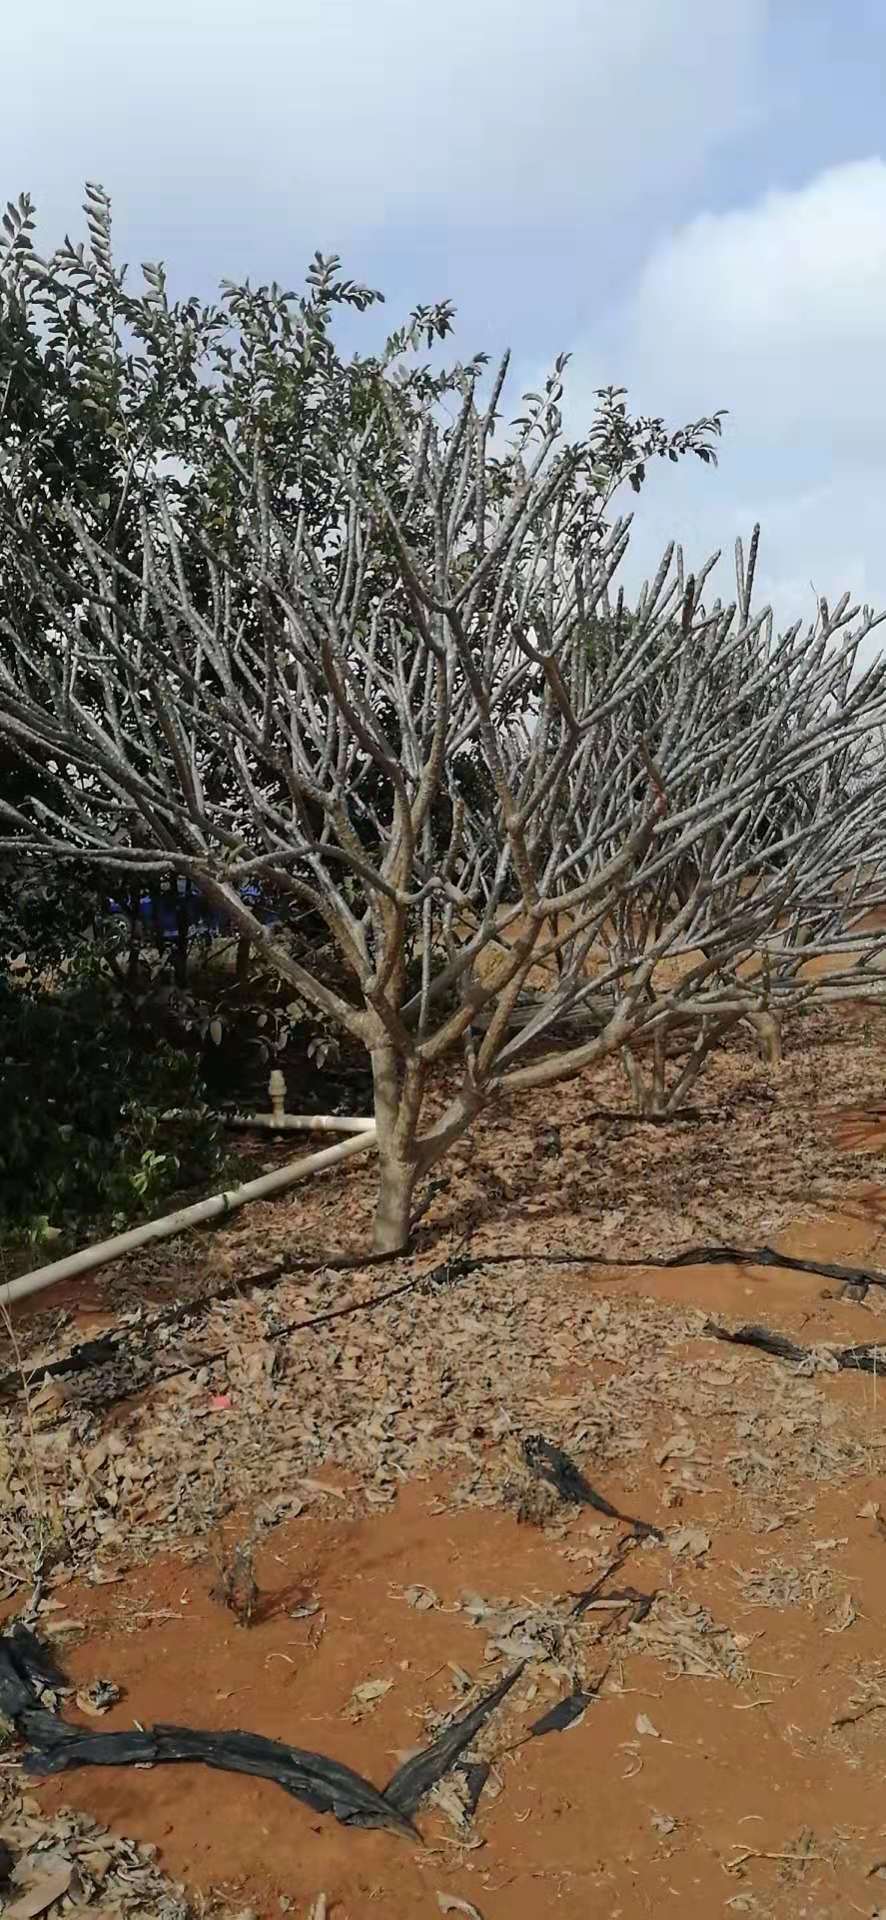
<point x="203" y="1210"/>
<point x="279" y="1121"/>
<point x="300" y="1122"/>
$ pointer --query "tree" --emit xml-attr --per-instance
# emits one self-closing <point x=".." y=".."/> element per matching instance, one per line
<point x="103" y="387"/>
<point x="770" y="684"/>
<point x="751" y="680"/>
<point x="281" y="682"/>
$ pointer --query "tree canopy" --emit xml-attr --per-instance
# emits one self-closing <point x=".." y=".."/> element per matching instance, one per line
<point x="336" y="625"/>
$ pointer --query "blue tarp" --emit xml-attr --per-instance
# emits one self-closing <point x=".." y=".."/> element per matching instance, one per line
<point x="161" y="912"/>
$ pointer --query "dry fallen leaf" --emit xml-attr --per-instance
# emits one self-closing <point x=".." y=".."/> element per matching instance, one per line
<point x="366" y="1696"/>
<point x="643" y="1724"/>
<point x="98" y="1698"/>
<point x="693" y="1541"/>
<point x="319" y="1486"/>
<point x="844" y="1615"/>
<point x="41" y="1895"/>
<point x="680" y="1446"/>
<point x="873" y="1510"/>
<point x="421" y="1598"/>
<point x="445" y="1796"/>
<point x="450" y="1903"/>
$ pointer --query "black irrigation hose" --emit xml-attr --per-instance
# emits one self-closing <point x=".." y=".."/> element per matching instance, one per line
<point x="870" y="1358"/>
<point x="111" y="1347"/>
<point x="92" y="1354"/>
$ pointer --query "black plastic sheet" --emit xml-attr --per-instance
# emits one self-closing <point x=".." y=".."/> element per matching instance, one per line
<point x="27" y="1671"/>
<point x="550" y="1463"/>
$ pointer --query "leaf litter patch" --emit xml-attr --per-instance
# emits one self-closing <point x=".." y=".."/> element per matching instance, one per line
<point x="382" y="1395"/>
<point x="67" y="1864"/>
<point x="456" y="1385"/>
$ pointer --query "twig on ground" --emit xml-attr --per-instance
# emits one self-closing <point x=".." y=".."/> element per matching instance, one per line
<point x="849" y="1718"/>
<point x="757" y="1853"/>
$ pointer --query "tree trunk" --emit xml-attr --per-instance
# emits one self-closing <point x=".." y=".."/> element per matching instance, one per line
<point x="393" y="1212"/>
<point x="397" y="1101"/>
<point x="767" y="1027"/>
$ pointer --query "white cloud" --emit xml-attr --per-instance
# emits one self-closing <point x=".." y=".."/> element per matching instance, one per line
<point x="487" y="127"/>
<point x="776" y="311"/>
<point x="781" y="307"/>
<point x="374" y="111"/>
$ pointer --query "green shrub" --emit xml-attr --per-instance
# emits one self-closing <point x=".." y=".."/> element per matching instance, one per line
<point x="87" y="1137"/>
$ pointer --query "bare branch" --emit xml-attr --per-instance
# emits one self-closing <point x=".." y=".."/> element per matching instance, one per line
<point x="398" y="695"/>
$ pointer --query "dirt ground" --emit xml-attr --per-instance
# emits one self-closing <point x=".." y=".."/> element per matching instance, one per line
<point x="730" y="1754"/>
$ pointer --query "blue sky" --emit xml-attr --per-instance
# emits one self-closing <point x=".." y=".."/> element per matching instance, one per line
<point x="690" y="195"/>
